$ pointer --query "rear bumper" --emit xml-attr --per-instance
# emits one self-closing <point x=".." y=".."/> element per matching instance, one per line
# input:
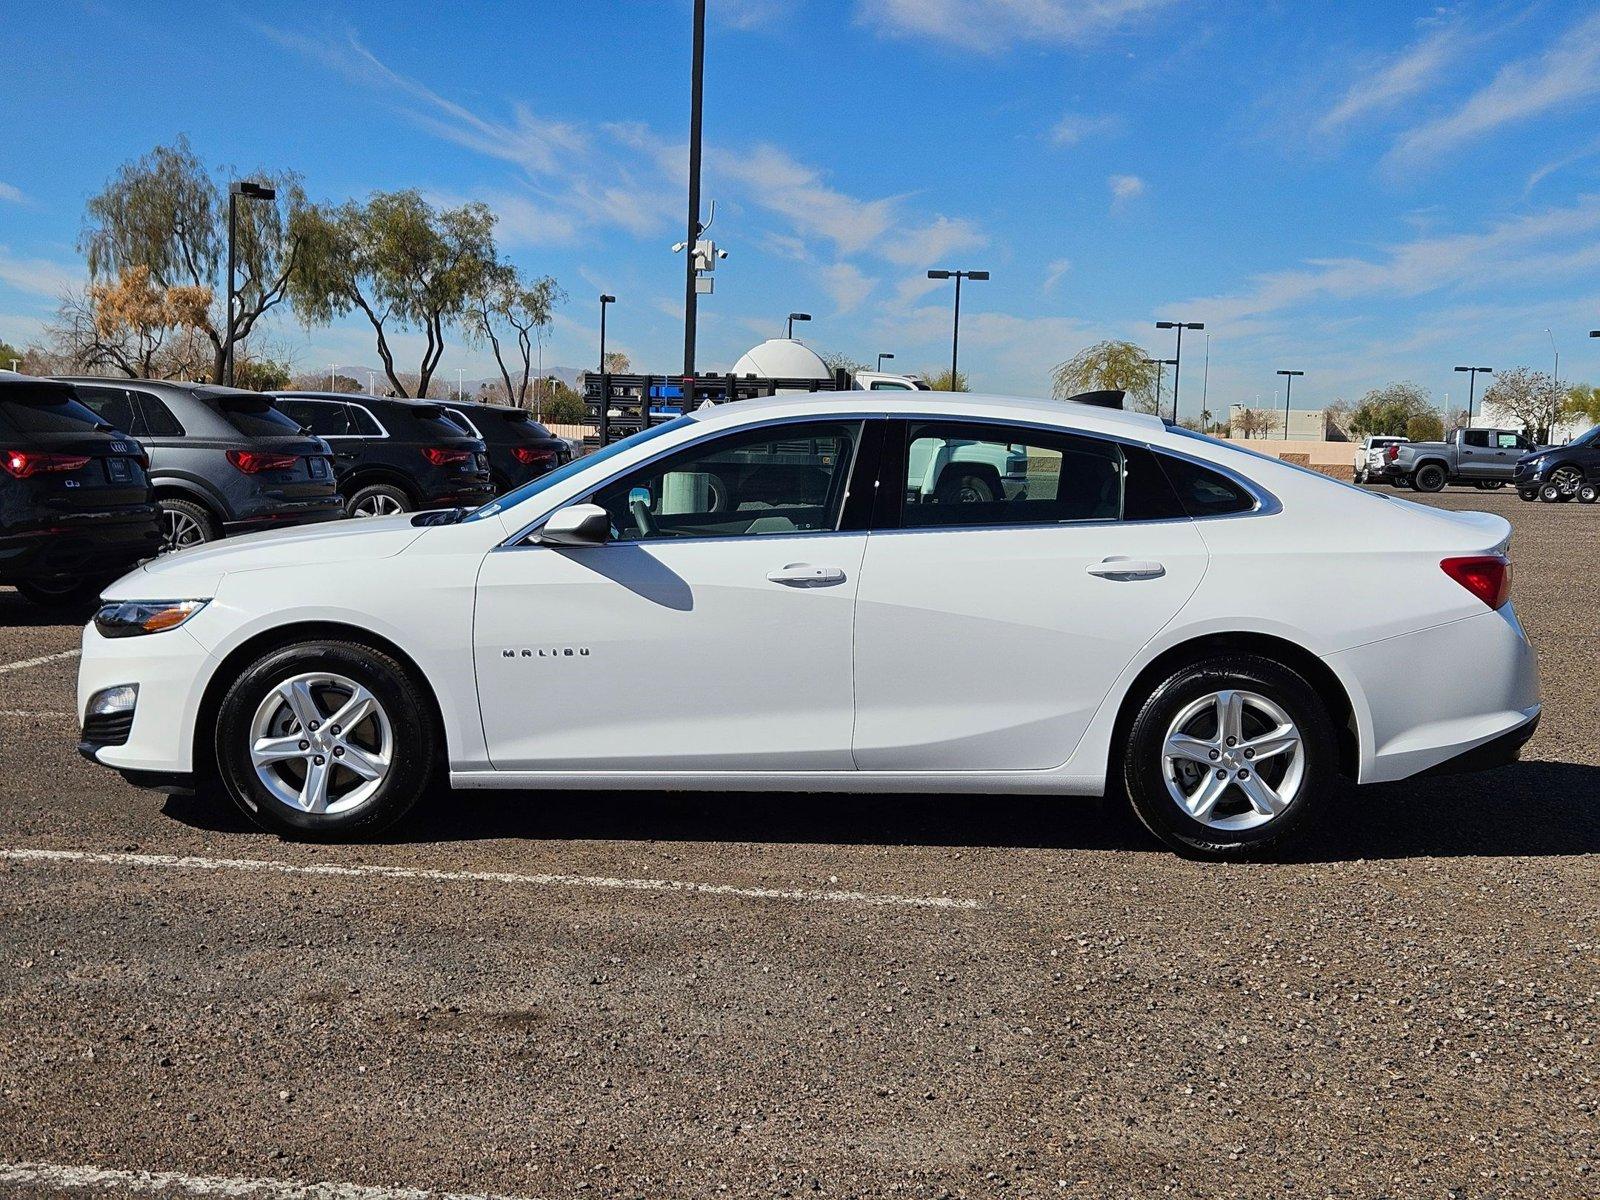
<point x="478" y="493"/>
<point x="1496" y="752"/>
<point x="89" y="545"/>
<point x="1426" y="699"/>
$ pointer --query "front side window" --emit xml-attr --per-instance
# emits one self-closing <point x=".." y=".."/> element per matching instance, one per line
<point x="778" y="480"/>
<point x="1507" y="441"/>
<point x="992" y="475"/>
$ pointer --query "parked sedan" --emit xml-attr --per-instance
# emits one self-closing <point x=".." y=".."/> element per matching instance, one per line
<point x="520" y="449"/>
<point x="1158" y="614"/>
<point x="394" y="456"/>
<point x="222" y="460"/>
<point x="75" y="506"/>
<point x="1556" y="474"/>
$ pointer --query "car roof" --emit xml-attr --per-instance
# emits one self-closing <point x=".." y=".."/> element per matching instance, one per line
<point x="170" y="386"/>
<point x="955" y="405"/>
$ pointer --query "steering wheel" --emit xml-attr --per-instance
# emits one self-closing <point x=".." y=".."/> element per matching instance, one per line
<point x="644" y="518"/>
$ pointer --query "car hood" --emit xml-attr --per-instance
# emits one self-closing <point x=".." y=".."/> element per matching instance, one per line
<point x="198" y="570"/>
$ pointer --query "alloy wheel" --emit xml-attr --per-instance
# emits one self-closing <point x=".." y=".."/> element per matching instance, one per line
<point x="1233" y="760"/>
<point x="179" y="530"/>
<point x="321" y="743"/>
<point x="379" y="504"/>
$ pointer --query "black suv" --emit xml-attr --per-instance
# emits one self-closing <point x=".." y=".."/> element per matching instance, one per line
<point x="520" y="448"/>
<point x="1559" y="473"/>
<point x="394" y="456"/>
<point x="75" y="506"/>
<point x="222" y="460"/>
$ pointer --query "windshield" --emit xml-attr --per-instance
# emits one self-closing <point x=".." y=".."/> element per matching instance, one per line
<point x="1588" y="437"/>
<point x="534" y="486"/>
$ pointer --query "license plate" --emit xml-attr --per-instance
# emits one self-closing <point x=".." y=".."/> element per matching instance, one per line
<point x="319" y="468"/>
<point x="119" y="470"/>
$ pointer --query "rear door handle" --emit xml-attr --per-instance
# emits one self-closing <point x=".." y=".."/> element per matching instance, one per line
<point x="806" y="575"/>
<point x="1126" y="568"/>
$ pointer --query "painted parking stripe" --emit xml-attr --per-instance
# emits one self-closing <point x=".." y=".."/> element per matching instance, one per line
<point x="269" y="866"/>
<point x="38" y="662"/>
<point x="172" y="1183"/>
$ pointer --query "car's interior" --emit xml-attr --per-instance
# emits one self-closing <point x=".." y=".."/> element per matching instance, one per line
<point x="957" y="476"/>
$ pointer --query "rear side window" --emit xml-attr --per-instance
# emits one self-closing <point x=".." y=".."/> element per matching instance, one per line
<point x="457" y="417"/>
<point x="254" y="416"/>
<point x="364" y="423"/>
<point x="114" y="406"/>
<point x="157" y="417"/>
<point x="46" y="410"/>
<point x="325" y="418"/>
<point x="432" y="423"/>
<point x="1204" y="492"/>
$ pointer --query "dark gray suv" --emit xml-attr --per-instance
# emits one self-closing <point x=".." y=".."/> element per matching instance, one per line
<point x="222" y="460"/>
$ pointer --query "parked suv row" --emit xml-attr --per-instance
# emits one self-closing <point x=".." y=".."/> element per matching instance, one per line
<point x="520" y="448"/>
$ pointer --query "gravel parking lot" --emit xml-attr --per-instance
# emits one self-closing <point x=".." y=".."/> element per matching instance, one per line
<point x="619" y="995"/>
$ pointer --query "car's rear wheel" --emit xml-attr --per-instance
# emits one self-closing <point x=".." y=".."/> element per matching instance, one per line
<point x="378" y="500"/>
<point x="1361" y="475"/>
<point x="1430" y="478"/>
<point x="1229" y="757"/>
<point x="324" y="740"/>
<point x="185" y="523"/>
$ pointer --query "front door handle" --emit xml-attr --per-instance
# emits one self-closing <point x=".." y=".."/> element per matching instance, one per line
<point x="1126" y="568"/>
<point x="806" y="575"/>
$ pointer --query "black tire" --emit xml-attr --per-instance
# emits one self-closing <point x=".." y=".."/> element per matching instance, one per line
<point x="1489" y="485"/>
<point x="62" y="595"/>
<point x="185" y="523"/>
<point x="958" y="486"/>
<point x="1400" y="483"/>
<point x="1143" y="769"/>
<point x="1552" y="493"/>
<point x="414" y="747"/>
<point x="1361" y="476"/>
<point x="1430" y="477"/>
<point x="1528" y="494"/>
<point x="378" y="500"/>
<point x="1588" y="493"/>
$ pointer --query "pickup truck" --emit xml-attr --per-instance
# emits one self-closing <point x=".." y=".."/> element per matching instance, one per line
<point x="1370" y="463"/>
<point x="1486" y="458"/>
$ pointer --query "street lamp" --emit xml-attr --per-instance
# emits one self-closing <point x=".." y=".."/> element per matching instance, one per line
<point x="793" y="317"/>
<point x="605" y="378"/>
<point x="1177" y="362"/>
<point x="881" y="357"/>
<point x="1557" y="376"/>
<point x="1161" y="365"/>
<point x="691" y="297"/>
<point x="250" y="191"/>
<point x="1288" y="387"/>
<point x="1472" y="385"/>
<point x="955" y="336"/>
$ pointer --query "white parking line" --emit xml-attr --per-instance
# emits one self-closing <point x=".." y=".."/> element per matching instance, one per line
<point x="173" y="1183"/>
<point x="194" y="863"/>
<point x="40" y="661"/>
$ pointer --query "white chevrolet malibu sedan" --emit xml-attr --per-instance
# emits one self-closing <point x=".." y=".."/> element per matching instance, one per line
<point x="837" y="592"/>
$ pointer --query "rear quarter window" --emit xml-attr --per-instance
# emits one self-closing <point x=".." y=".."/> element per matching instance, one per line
<point x="158" y="418"/>
<point x="1204" y="492"/>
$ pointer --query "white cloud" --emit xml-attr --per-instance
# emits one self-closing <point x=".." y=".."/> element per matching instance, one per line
<point x="1124" y="188"/>
<point x="1073" y="128"/>
<point x="749" y="14"/>
<point x="39" y="276"/>
<point x="1057" y="271"/>
<point x="14" y="195"/>
<point x="847" y="285"/>
<point x="797" y="192"/>
<point x="1398" y="78"/>
<point x="1564" y="75"/>
<point x="924" y="245"/>
<point x="995" y="25"/>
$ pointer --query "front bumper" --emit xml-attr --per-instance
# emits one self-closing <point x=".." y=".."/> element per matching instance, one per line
<point x="169" y="668"/>
<point x="1424" y="699"/>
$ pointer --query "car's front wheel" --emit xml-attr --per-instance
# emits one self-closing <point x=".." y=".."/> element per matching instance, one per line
<point x="324" y="740"/>
<point x="1229" y="757"/>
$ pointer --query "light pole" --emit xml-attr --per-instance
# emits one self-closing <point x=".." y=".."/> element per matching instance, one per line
<point x="793" y="317"/>
<point x="1472" y="386"/>
<point x="1161" y="365"/>
<point x="1557" y="353"/>
<point x="881" y="357"/>
<point x="250" y="191"/>
<point x="697" y="79"/>
<point x="1177" y="362"/>
<point x="955" y="335"/>
<point x="1288" y="387"/>
<point x="605" y="378"/>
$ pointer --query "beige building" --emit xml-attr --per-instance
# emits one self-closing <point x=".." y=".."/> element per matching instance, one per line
<point x="1305" y="425"/>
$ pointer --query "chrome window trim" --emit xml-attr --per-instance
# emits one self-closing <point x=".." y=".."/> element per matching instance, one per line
<point x="465" y="420"/>
<point x="383" y="431"/>
<point x="1267" y="504"/>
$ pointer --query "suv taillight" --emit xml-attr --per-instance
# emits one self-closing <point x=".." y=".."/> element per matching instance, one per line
<point x="441" y="456"/>
<point x="1486" y="576"/>
<point x="253" y="462"/>
<point x="23" y="463"/>
<point x="534" y="456"/>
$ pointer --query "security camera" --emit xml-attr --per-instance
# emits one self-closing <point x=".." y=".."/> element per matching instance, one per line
<point x="722" y="254"/>
<point x="677" y="247"/>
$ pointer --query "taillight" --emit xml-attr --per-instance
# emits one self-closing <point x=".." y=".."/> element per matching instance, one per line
<point x="253" y="462"/>
<point x="1392" y="451"/>
<point x="1486" y="576"/>
<point x="534" y="456"/>
<point x="23" y="463"/>
<point x="440" y="456"/>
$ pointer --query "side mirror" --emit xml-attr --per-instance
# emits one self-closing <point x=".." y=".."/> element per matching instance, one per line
<point x="576" y="525"/>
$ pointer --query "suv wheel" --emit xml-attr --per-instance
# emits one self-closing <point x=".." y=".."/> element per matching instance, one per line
<point x="1229" y="757"/>
<point x="185" y="523"/>
<point x="65" y="593"/>
<point x="378" y="500"/>
<point x="1430" y="477"/>
<point x="324" y="740"/>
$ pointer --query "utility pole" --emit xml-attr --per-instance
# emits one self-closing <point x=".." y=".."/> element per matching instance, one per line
<point x="690" y="296"/>
<point x="250" y="191"/>
<point x="1288" y="388"/>
<point x="1472" y="374"/>
<point x="955" y="333"/>
<point x="1177" y="361"/>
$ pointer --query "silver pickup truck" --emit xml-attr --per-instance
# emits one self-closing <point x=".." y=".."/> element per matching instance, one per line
<point x="1485" y="458"/>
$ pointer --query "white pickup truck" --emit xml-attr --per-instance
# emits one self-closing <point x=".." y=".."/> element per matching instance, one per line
<point x="1371" y="466"/>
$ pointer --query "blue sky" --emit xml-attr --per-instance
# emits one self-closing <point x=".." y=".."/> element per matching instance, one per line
<point x="1363" y="191"/>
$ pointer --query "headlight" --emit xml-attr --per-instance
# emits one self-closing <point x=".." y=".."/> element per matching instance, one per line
<point x="131" y="618"/>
